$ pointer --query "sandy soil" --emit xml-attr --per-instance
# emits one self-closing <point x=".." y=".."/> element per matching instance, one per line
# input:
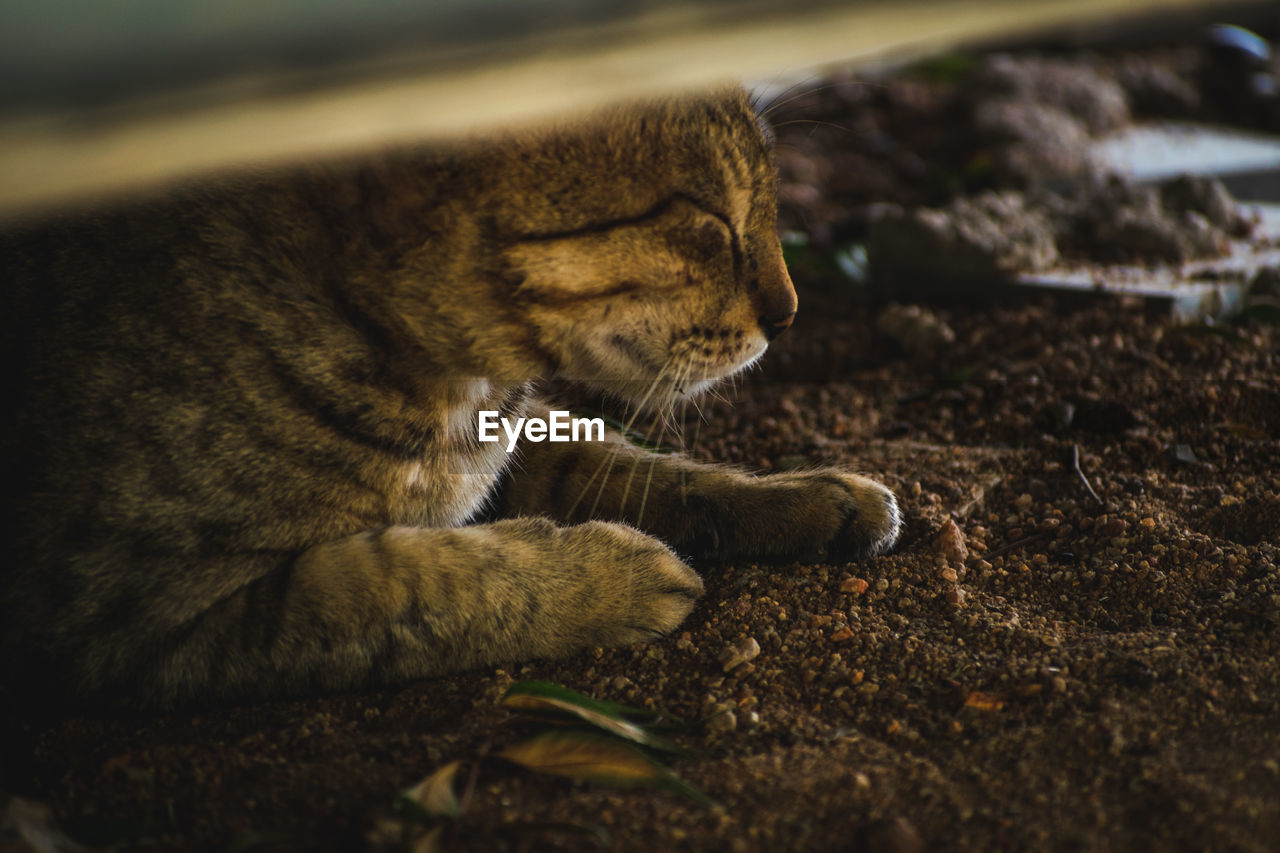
<point x="1075" y="646"/>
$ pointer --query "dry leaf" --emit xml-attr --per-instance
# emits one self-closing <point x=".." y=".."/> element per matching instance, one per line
<point x="432" y="842"/>
<point x="590" y="757"/>
<point x="435" y="793"/>
<point x="539" y="696"/>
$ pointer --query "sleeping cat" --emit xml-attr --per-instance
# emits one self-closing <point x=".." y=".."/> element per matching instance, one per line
<point x="242" y="455"/>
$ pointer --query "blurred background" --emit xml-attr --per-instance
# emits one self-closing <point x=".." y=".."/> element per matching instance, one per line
<point x="99" y="98"/>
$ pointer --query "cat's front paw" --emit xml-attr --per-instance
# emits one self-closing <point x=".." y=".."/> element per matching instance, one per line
<point x="644" y="591"/>
<point x="866" y="517"/>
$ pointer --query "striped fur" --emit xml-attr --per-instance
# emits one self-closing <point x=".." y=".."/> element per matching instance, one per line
<point x="243" y="457"/>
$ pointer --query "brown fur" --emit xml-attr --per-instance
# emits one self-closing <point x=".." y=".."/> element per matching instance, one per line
<point x="244" y="451"/>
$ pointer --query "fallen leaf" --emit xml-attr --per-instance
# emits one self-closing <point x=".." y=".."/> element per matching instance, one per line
<point x="432" y="842"/>
<point x="434" y="795"/>
<point x="590" y="757"/>
<point x="35" y="825"/>
<point x="545" y="698"/>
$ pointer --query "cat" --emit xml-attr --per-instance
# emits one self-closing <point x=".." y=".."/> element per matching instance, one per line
<point x="242" y="455"/>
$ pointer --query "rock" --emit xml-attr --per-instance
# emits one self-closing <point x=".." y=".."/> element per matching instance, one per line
<point x="842" y="635"/>
<point x="856" y="586"/>
<point x="1032" y="144"/>
<point x="736" y="655"/>
<point x="1060" y="414"/>
<point x="950" y="543"/>
<point x="722" y="719"/>
<point x="1073" y="87"/>
<point x="891" y="836"/>
<point x="990" y="235"/>
<point x="1154" y="90"/>
<point x="918" y="331"/>
<point x="1208" y="197"/>
<point x="1113" y="527"/>
<point x="1120" y="221"/>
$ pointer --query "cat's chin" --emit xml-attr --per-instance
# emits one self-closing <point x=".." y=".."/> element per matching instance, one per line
<point x="644" y="386"/>
<point x="663" y="394"/>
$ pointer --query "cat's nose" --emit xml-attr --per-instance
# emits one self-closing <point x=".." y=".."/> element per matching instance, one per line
<point x="776" y="326"/>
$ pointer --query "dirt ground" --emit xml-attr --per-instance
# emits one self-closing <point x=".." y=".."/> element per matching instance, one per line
<point x="1075" y="646"/>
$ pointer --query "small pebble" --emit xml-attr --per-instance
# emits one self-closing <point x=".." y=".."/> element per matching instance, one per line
<point x="722" y="719"/>
<point x="892" y="836"/>
<point x="950" y="542"/>
<point x="1113" y="527"/>
<point x="736" y="655"/>
<point x="857" y="586"/>
<point x="918" y="331"/>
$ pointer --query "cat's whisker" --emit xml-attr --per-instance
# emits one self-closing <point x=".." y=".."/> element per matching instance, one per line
<point x="816" y="124"/>
<point x="656" y="426"/>
<point x="644" y="496"/>
<point x="697" y="432"/>
<point x="653" y="386"/>
<point x="606" y="464"/>
<point x="587" y="486"/>
<point x="794" y="92"/>
<point x="677" y="427"/>
<point x="684" y="413"/>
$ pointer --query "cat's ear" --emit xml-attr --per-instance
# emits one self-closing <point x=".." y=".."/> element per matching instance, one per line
<point x="677" y="246"/>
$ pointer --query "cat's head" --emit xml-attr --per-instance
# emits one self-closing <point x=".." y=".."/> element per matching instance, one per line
<point x="640" y="249"/>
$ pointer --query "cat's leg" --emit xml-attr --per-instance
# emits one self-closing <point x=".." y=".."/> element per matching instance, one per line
<point x="705" y="511"/>
<point x="386" y="606"/>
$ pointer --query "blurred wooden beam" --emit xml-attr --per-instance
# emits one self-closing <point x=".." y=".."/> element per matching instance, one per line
<point x="154" y="95"/>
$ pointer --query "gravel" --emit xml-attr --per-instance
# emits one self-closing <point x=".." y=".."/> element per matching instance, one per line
<point x="1076" y="644"/>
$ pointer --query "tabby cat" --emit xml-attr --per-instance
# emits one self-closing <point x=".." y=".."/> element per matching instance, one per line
<point x="243" y="456"/>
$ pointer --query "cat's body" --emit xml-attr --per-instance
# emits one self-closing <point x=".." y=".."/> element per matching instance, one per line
<point x="244" y="443"/>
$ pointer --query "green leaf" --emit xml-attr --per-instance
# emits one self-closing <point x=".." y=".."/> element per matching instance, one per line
<point x="540" y="697"/>
<point x="590" y="757"/>
<point x="555" y="691"/>
<point x="945" y="68"/>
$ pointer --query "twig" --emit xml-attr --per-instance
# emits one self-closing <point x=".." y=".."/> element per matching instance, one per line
<point x="1075" y="463"/>
<point x="1025" y="540"/>
<point x="990" y="483"/>
<point x="469" y="790"/>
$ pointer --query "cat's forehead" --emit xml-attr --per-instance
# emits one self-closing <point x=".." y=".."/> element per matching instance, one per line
<point x="727" y="144"/>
